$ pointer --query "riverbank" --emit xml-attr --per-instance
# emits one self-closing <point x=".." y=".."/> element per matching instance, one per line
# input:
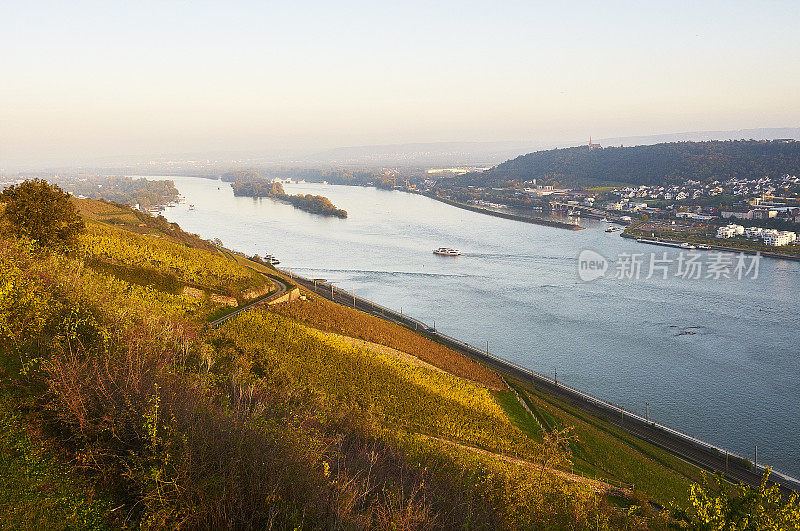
<point x="513" y="271"/>
<point x="707" y="456"/>
<point x="713" y="246"/>
<point x="514" y="217"/>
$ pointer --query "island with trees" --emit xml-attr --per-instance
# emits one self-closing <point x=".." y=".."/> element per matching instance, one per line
<point x="315" y="204"/>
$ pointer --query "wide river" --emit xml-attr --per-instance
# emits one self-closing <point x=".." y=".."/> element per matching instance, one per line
<point x="714" y="358"/>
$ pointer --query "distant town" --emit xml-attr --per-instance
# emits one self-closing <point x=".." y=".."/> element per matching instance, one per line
<point x="766" y="210"/>
<point x="731" y="201"/>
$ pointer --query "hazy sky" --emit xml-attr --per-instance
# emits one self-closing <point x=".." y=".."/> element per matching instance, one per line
<point x="86" y="79"/>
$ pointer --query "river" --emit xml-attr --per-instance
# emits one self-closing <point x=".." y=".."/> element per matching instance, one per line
<point x="714" y="358"/>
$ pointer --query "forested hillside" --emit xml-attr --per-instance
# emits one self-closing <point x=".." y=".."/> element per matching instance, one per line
<point x="127" y="190"/>
<point x="650" y="165"/>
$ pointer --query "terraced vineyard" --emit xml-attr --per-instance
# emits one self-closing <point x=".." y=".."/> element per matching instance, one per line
<point x="326" y="315"/>
<point x="403" y="395"/>
<point x="190" y="266"/>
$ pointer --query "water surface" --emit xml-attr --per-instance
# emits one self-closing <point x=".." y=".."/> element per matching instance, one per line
<point x="715" y="359"/>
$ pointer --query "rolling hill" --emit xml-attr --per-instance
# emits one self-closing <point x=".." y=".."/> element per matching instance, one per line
<point x="648" y="164"/>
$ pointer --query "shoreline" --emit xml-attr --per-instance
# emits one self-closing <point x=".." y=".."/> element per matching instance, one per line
<point x="700" y="453"/>
<point x="513" y="217"/>
<point x="766" y="254"/>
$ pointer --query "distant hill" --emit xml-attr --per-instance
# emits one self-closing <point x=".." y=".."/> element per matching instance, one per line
<point x="648" y="164"/>
<point x="761" y="133"/>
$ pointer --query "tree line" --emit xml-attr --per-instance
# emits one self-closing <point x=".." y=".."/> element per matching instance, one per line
<point x="657" y="164"/>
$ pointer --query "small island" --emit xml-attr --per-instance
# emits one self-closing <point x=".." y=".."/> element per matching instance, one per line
<point x="316" y="204"/>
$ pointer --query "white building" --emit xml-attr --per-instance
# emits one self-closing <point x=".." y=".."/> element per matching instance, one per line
<point x="729" y="231"/>
<point x="778" y="238"/>
<point x="741" y="214"/>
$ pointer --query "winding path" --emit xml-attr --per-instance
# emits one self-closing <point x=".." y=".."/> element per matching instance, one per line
<point x="280" y="289"/>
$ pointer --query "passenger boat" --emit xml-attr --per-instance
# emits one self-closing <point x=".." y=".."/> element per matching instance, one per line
<point x="446" y="251"/>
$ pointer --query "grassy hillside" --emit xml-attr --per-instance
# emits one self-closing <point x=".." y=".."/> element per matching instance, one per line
<point x="37" y="489"/>
<point x="120" y="406"/>
<point x="326" y="315"/>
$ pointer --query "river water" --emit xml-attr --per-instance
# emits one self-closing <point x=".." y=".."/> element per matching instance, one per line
<point x="714" y="358"/>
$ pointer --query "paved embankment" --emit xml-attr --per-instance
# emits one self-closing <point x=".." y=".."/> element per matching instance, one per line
<point x="504" y="215"/>
<point x="716" y="247"/>
<point x="735" y="467"/>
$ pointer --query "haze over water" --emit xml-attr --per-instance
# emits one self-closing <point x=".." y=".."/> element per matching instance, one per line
<point x="732" y="381"/>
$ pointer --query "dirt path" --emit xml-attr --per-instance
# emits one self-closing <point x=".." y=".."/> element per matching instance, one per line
<point x="597" y="486"/>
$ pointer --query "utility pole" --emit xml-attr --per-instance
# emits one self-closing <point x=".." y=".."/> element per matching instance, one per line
<point x="621" y="414"/>
<point x="726" y="461"/>
<point x="555" y="372"/>
<point x="332" y="282"/>
<point x="434" y="325"/>
<point x="647" y="411"/>
<point x="487" y="347"/>
<point x="354" y="298"/>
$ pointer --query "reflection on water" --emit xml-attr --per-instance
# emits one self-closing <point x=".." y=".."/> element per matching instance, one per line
<point x="716" y="359"/>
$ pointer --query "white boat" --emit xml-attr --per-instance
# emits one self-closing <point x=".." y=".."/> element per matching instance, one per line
<point x="446" y="251"/>
<point x="687" y="245"/>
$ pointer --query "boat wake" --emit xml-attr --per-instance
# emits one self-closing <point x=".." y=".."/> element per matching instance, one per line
<point x="315" y="271"/>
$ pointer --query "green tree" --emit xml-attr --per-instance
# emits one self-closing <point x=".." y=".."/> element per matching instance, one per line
<point x="717" y="506"/>
<point x="42" y="212"/>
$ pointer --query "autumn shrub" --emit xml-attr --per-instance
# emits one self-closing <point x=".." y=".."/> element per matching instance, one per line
<point x="42" y="212"/>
